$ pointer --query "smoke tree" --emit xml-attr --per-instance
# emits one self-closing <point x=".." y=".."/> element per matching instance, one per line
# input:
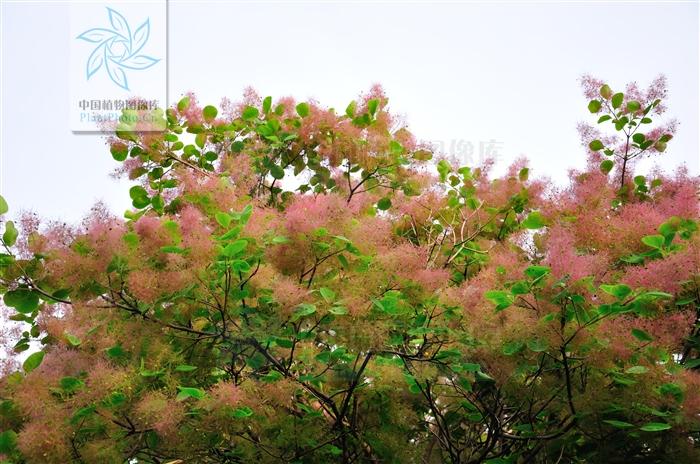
<point x="299" y="284"/>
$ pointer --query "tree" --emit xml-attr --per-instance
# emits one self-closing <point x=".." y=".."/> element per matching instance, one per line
<point x="298" y="285"/>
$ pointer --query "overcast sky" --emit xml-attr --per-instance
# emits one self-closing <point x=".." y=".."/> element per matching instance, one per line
<point x="463" y="74"/>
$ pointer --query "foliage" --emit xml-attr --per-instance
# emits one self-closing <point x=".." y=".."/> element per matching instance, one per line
<point x="298" y="285"/>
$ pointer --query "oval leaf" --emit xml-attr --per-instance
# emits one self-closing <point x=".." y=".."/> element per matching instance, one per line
<point x="33" y="361"/>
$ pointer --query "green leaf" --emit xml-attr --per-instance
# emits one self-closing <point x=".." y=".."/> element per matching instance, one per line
<point x="173" y="249"/>
<point x="250" y="113"/>
<point x="189" y="392"/>
<point x="119" y="151"/>
<point x="10" y="235"/>
<point x="240" y="413"/>
<point x="272" y="376"/>
<point x="4" y="208"/>
<point x="633" y="259"/>
<point x="537" y="272"/>
<point x="534" y="220"/>
<point x="384" y="204"/>
<point x="513" y="347"/>
<point x="523" y="174"/>
<point x="637" y="370"/>
<point x="283" y="342"/>
<point x="641" y="335"/>
<point x="82" y="413"/>
<point x="606" y="166"/>
<point x="594" y="106"/>
<point x="619" y="291"/>
<point x="327" y="294"/>
<point x="139" y="197"/>
<point x="303" y="310"/>
<point x="241" y="266"/>
<point x="303" y="109"/>
<point x="660" y="146"/>
<point x="267" y="104"/>
<point x="343" y="261"/>
<point x="537" y="345"/>
<point x="224" y="219"/>
<point x="638" y="138"/>
<point x="654" y="241"/>
<point x="655" y="427"/>
<point x="443" y="168"/>
<point x="23" y="300"/>
<point x="209" y="113"/>
<point x="183" y="104"/>
<point x="620" y="123"/>
<point x="338" y="310"/>
<point x="200" y="139"/>
<point x="72" y="339"/>
<point x="623" y="380"/>
<point x="520" y="287"/>
<point x="633" y="105"/>
<point x="245" y="214"/>
<point x="618" y="424"/>
<point x="276" y="171"/>
<point x="71" y="384"/>
<point x="395" y="147"/>
<point x="605" y="91"/>
<point x="671" y="389"/>
<point x="669" y="227"/>
<point x="8" y="442"/>
<point x="158" y="203"/>
<point x="692" y="364"/>
<point x="655" y="295"/>
<point x="350" y="110"/>
<point x="149" y="372"/>
<point x="617" y="100"/>
<point x="33" y="361"/>
<point x="237" y="146"/>
<point x="234" y="248"/>
<point x="372" y="106"/>
<point x="596" y="145"/>
<point x="423" y="155"/>
<point x="501" y="299"/>
<point x="482" y="377"/>
<point x="115" y="351"/>
<point x="185" y="368"/>
<point x="686" y="301"/>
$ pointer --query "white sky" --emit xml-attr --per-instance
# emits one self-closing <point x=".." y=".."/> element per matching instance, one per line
<point x="460" y="73"/>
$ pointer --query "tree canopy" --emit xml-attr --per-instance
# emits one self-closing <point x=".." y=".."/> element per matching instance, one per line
<point x="300" y="284"/>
